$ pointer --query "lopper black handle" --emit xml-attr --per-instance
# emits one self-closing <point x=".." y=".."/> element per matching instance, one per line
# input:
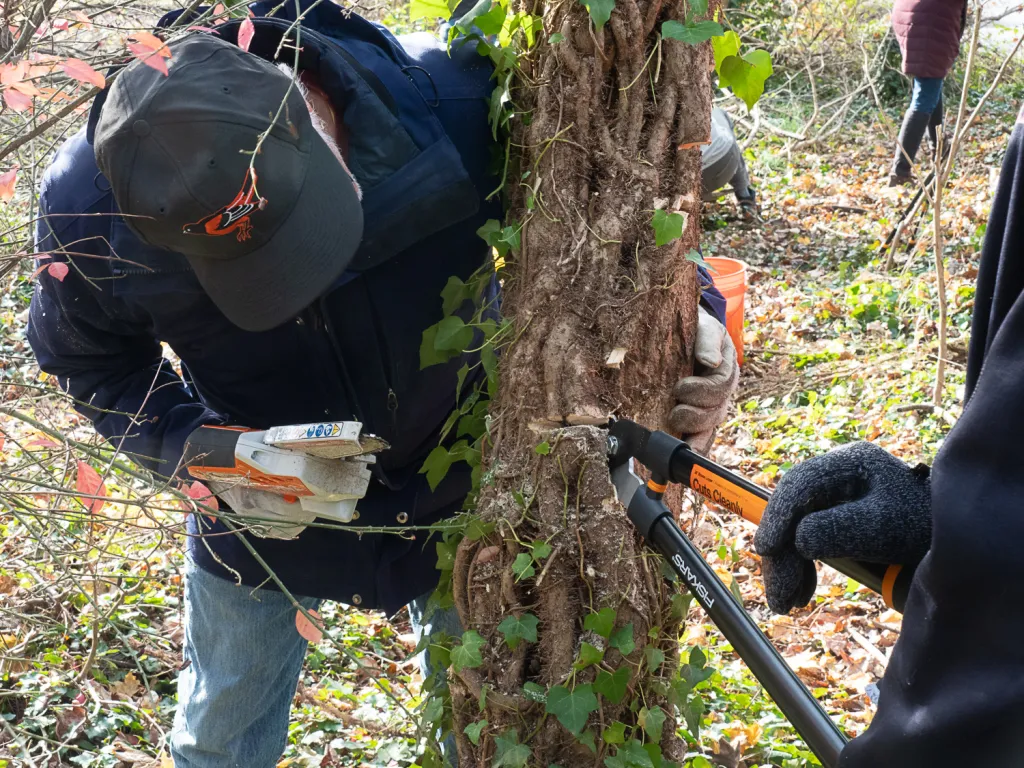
<point x="671" y="458"/>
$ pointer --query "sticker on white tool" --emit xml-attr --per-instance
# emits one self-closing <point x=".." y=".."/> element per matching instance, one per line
<point x="328" y="439"/>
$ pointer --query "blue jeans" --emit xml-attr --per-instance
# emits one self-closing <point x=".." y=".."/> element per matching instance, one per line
<point x="926" y="94"/>
<point x="244" y="658"/>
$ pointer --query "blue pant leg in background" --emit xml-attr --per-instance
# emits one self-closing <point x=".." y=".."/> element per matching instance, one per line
<point x="439" y="620"/>
<point x="244" y="657"/>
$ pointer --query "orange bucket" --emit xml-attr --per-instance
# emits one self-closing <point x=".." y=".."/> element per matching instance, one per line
<point x="730" y="276"/>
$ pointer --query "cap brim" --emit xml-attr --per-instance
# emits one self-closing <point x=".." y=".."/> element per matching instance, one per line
<point x="309" y="251"/>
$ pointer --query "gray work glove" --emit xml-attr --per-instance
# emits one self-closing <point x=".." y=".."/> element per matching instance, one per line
<point x="857" y="501"/>
<point x="704" y="398"/>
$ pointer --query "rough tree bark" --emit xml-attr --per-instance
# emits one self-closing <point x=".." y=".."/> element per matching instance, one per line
<point x="610" y="110"/>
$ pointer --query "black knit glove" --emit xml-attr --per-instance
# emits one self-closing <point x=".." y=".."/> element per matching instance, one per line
<point x="857" y="501"/>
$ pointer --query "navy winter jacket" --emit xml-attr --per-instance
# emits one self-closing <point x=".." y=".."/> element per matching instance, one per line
<point x="953" y="694"/>
<point x="420" y="147"/>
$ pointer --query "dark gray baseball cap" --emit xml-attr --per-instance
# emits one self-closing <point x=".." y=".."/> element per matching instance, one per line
<point x="265" y="238"/>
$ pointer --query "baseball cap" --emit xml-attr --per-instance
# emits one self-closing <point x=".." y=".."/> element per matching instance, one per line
<point x="267" y="233"/>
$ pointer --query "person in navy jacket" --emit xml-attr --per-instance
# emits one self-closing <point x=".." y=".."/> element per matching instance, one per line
<point x="294" y="284"/>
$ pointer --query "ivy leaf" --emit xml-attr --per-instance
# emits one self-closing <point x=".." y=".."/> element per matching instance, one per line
<point x="453" y="335"/>
<point x="667" y="226"/>
<point x="601" y="623"/>
<point x="614" y="733"/>
<point x="693" y="711"/>
<point x="436" y="466"/>
<point x="612" y="685"/>
<point x="522" y="566"/>
<point x="540" y="549"/>
<point x="454" y="293"/>
<point x="556" y="37"/>
<point x="588" y="740"/>
<point x="694" y="34"/>
<point x="473" y="730"/>
<point x="696" y="258"/>
<point x="535" y="692"/>
<point x="543" y="449"/>
<point x="429" y="353"/>
<point x="655" y="658"/>
<point x="653" y="720"/>
<point x="572" y="708"/>
<point x="476" y="529"/>
<point x="630" y="755"/>
<point x="600" y="10"/>
<point x="623" y="640"/>
<point x="745" y="76"/>
<point x="508" y="752"/>
<point x="589" y="655"/>
<point x="725" y="46"/>
<point x="445" y="556"/>
<point x="486" y="16"/>
<point x="467" y="655"/>
<point x="697" y="657"/>
<point x="681" y="604"/>
<point x="518" y="628"/>
<point x="429" y="9"/>
<point x="699" y="7"/>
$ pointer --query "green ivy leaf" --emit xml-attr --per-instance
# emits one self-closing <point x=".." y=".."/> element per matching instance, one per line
<point x="601" y="623"/>
<point x="630" y="755"/>
<point x="652" y="721"/>
<point x="508" y="752"/>
<point x="453" y="335"/>
<point x="467" y="655"/>
<point x="614" y="733"/>
<point x="700" y="762"/>
<point x="694" y="34"/>
<point x="535" y="692"/>
<point x="473" y="731"/>
<point x="725" y="46"/>
<point x="540" y="549"/>
<point x="589" y="655"/>
<point x="515" y="629"/>
<point x="445" y="555"/>
<point x="699" y="7"/>
<point x="588" y="739"/>
<point x="436" y="465"/>
<point x="667" y="226"/>
<point x="697" y="657"/>
<point x="623" y="640"/>
<point x="655" y="658"/>
<point x="572" y="708"/>
<point x="556" y="37"/>
<point x="613" y="685"/>
<point x="522" y="566"/>
<point x="543" y="449"/>
<point x="429" y="353"/>
<point x="476" y="529"/>
<point x="486" y="16"/>
<point x="600" y="10"/>
<point x="696" y="258"/>
<point x="681" y="604"/>
<point x="454" y="293"/>
<point x="745" y="76"/>
<point x="429" y="9"/>
<point x="692" y="712"/>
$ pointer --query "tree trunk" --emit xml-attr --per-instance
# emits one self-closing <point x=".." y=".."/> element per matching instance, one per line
<point x="609" y="109"/>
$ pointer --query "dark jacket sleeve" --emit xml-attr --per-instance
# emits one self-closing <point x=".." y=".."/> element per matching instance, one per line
<point x="710" y="298"/>
<point x="953" y="693"/>
<point x="101" y="355"/>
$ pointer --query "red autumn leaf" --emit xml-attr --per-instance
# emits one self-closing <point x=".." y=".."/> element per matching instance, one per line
<point x="83" y="20"/>
<point x="310" y="631"/>
<point x="199" y="493"/>
<point x="17" y="100"/>
<point x="149" y="58"/>
<point x="245" y="33"/>
<point x="3" y="439"/>
<point x="151" y="42"/>
<point x="88" y="482"/>
<point x="83" y="73"/>
<point x="200" y="29"/>
<point x="7" y="182"/>
<point x="58" y="270"/>
<point x="61" y="24"/>
<point x="219" y="14"/>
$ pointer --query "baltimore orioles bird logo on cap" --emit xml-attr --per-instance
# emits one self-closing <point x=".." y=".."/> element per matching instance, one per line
<point x="233" y="217"/>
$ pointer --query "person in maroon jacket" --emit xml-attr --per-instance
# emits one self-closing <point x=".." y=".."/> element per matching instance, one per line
<point x="929" y="33"/>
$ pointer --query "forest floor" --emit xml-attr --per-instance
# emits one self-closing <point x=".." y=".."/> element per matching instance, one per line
<point x="838" y="348"/>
